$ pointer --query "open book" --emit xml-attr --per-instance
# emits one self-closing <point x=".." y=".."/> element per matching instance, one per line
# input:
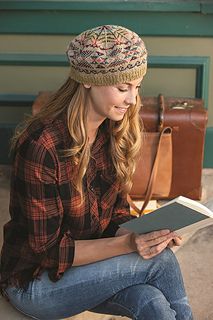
<point x="180" y="214"/>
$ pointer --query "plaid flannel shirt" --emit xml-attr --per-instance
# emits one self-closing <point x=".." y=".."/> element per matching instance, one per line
<point x="45" y="219"/>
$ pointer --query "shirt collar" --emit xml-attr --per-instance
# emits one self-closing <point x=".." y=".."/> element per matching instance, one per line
<point x="101" y="138"/>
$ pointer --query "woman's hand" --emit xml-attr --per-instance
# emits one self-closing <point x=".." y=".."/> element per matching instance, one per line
<point x="177" y="241"/>
<point x="151" y="244"/>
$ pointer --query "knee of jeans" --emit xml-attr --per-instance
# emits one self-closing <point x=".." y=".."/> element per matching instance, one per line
<point x="168" y="259"/>
<point x="156" y="308"/>
<point x="182" y="307"/>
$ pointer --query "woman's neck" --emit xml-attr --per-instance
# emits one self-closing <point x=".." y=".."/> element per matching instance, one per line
<point x="93" y="123"/>
<point x="92" y="133"/>
<point x="92" y="128"/>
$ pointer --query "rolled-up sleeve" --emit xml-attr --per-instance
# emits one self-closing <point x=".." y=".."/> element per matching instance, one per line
<point x="37" y="180"/>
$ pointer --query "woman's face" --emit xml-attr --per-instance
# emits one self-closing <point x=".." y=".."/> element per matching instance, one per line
<point x="111" y="102"/>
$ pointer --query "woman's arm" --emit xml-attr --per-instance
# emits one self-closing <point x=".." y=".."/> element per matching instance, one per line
<point x="36" y="192"/>
<point x="89" y="251"/>
<point x="147" y="246"/>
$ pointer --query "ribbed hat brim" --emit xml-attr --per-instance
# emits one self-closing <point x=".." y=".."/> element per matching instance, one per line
<point x="108" y="78"/>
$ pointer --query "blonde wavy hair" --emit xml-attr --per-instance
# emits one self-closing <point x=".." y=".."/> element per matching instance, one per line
<point x="125" y="135"/>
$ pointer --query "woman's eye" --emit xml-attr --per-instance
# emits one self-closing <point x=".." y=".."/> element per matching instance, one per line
<point x="122" y="90"/>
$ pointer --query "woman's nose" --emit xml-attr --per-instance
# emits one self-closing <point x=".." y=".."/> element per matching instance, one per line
<point x="131" y="98"/>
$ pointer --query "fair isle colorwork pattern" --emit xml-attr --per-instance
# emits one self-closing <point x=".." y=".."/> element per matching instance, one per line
<point x="107" y="55"/>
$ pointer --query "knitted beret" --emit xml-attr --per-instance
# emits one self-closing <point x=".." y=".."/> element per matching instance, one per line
<point x="107" y="55"/>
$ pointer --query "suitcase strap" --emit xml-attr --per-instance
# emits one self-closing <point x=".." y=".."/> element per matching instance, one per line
<point x="152" y="179"/>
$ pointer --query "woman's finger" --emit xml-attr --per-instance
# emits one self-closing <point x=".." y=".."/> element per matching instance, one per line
<point x="177" y="241"/>
<point x="150" y="252"/>
<point x="155" y="242"/>
<point x="154" y="251"/>
<point x="153" y="235"/>
<point x="145" y="242"/>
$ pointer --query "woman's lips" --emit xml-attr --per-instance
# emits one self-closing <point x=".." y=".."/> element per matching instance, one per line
<point x="121" y="109"/>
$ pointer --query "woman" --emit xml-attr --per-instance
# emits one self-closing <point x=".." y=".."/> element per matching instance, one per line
<point x="63" y="250"/>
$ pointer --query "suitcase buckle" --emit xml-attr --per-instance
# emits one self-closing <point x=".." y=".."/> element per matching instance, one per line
<point x="182" y="105"/>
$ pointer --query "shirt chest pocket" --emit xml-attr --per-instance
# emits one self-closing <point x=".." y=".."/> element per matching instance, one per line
<point x="109" y="190"/>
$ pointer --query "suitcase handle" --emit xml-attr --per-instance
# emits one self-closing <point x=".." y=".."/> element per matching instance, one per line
<point x="161" y="104"/>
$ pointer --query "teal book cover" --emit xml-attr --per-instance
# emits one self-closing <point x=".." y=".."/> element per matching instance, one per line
<point x="176" y="215"/>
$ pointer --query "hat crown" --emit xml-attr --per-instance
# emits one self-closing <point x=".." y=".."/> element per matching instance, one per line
<point x="98" y="55"/>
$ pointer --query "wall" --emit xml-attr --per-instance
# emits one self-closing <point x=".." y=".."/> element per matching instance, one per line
<point x="34" y="37"/>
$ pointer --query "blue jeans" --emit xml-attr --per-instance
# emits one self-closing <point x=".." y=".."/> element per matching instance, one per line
<point x="125" y="285"/>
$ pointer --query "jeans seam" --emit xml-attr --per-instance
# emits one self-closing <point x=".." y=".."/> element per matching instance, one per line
<point x="124" y="307"/>
<point x="22" y="312"/>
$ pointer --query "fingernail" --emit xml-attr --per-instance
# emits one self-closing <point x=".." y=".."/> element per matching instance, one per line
<point x="166" y="231"/>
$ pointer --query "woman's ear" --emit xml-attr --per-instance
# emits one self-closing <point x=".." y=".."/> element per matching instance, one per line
<point x="87" y="86"/>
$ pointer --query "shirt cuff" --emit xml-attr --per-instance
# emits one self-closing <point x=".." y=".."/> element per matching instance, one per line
<point x="110" y="231"/>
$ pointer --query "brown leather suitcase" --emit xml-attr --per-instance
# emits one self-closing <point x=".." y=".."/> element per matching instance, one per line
<point x="188" y="119"/>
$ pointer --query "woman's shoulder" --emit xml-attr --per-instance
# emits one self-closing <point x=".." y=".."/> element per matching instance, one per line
<point x="39" y="144"/>
<point x="50" y="133"/>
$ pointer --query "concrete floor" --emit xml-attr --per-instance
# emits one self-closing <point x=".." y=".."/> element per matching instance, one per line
<point x="195" y="257"/>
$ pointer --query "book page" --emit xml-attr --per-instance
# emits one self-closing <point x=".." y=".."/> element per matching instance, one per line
<point x="199" y="207"/>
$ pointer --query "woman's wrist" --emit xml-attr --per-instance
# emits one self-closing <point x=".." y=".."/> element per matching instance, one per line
<point x="121" y="231"/>
<point x="129" y="242"/>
